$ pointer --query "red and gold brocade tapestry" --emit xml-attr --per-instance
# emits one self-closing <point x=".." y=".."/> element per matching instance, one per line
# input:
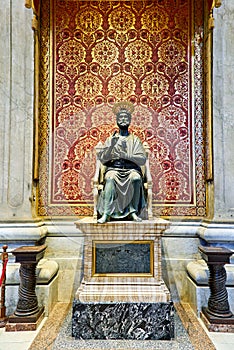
<point x="95" y="53"/>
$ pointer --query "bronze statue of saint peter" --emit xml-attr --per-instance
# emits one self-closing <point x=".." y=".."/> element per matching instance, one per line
<point x="123" y="155"/>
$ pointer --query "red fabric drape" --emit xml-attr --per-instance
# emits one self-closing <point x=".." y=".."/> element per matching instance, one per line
<point x="3" y="271"/>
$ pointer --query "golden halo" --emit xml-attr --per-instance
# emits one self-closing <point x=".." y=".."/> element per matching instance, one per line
<point x="123" y="105"/>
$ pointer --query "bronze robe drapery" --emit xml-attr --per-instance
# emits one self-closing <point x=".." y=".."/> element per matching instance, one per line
<point x="123" y="192"/>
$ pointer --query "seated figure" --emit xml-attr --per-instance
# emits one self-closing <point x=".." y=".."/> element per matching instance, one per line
<point x="123" y="155"/>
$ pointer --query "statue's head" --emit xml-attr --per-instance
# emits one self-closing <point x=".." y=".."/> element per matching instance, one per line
<point x="123" y="111"/>
<point x="123" y="119"/>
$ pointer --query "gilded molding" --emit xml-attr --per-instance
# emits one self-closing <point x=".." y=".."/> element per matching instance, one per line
<point x="28" y="4"/>
<point x="209" y="26"/>
<point x="32" y="4"/>
<point x="208" y="32"/>
<point x="36" y="97"/>
<point x="211" y="22"/>
<point x="123" y="274"/>
<point x="46" y="83"/>
<point x="35" y="23"/>
<point x="218" y="3"/>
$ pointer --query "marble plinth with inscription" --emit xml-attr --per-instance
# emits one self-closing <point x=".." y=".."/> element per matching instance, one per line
<point x="122" y="269"/>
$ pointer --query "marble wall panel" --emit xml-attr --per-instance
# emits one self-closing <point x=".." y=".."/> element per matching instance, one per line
<point x="69" y="278"/>
<point x="16" y="108"/>
<point x="177" y="252"/>
<point x="5" y="84"/>
<point x="223" y="106"/>
<point x="48" y="295"/>
<point x="59" y="247"/>
<point x="68" y="253"/>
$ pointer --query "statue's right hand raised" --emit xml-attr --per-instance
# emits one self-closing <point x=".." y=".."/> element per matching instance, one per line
<point x="114" y="140"/>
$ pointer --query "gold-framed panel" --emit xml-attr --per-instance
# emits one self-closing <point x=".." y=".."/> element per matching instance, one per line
<point x="122" y="242"/>
<point x="45" y="205"/>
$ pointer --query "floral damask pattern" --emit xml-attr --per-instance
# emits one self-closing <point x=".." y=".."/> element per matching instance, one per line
<point x="107" y="51"/>
<point x="121" y="19"/>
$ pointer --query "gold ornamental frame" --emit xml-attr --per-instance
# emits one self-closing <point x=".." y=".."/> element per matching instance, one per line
<point x="123" y="242"/>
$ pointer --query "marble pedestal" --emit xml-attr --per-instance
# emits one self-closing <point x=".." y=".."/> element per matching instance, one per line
<point x="27" y="315"/>
<point x="122" y="275"/>
<point x="217" y="316"/>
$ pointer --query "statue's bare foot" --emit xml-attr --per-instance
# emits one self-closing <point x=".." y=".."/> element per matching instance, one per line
<point x="135" y="217"/>
<point x="103" y="219"/>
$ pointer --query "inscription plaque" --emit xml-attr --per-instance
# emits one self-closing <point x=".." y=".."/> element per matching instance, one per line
<point x="123" y="258"/>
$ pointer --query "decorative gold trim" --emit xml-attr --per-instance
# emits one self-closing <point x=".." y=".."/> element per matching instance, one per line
<point x="28" y="4"/>
<point x="45" y="208"/>
<point x="36" y="99"/>
<point x="208" y="32"/>
<point x="35" y="27"/>
<point x="208" y="102"/>
<point x="150" y="274"/>
<point x="218" y="3"/>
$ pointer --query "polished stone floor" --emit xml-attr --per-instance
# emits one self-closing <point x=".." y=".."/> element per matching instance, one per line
<point x="54" y="334"/>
